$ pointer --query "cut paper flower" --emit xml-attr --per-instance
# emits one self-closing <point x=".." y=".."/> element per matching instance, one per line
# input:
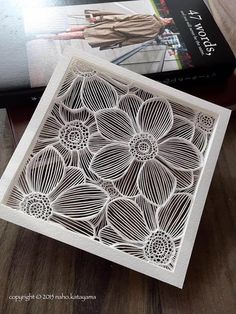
<point x="68" y="131"/>
<point x="115" y="164"/>
<point x="48" y="190"/>
<point x="144" y="149"/>
<point x="89" y="90"/>
<point x="100" y="220"/>
<point x="204" y="124"/>
<point x="144" y="95"/>
<point x="146" y="231"/>
<point x="193" y="187"/>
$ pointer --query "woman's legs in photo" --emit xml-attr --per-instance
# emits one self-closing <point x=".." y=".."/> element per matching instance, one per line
<point x="69" y="35"/>
<point x="74" y="32"/>
<point x="74" y="28"/>
<point x="64" y="36"/>
<point x="167" y="21"/>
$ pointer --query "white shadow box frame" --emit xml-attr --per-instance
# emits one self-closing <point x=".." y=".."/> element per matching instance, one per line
<point x="122" y="109"/>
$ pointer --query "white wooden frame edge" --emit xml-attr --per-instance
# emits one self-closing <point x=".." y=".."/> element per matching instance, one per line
<point x="28" y="139"/>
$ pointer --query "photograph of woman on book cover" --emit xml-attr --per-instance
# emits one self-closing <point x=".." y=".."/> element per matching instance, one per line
<point x="139" y="35"/>
<point x="108" y="30"/>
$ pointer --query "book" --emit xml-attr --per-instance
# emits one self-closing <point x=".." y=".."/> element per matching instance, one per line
<point x="174" y="42"/>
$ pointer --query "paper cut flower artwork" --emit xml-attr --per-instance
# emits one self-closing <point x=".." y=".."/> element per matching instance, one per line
<point x="88" y="89"/>
<point x="69" y="131"/>
<point x="149" y="153"/>
<point x="49" y="190"/>
<point x="113" y="160"/>
<point x="203" y="122"/>
<point x="146" y="231"/>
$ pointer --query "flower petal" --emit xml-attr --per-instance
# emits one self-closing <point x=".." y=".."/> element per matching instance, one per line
<point x="182" y="127"/>
<point x="69" y="115"/>
<point x="184" y="178"/>
<point x="66" y="83"/>
<point x="96" y="142"/>
<point x="177" y="244"/>
<point x="80" y="202"/>
<point x="73" y="176"/>
<point x="99" y="218"/>
<point x="50" y="129"/>
<point x="85" y="157"/>
<point x="144" y="95"/>
<point x="120" y="87"/>
<point x="127" y="184"/>
<point x="93" y="129"/>
<point x="40" y="145"/>
<point x="111" y="162"/>
<point x="149" y="212"/>
<point x="115" y="124"/>
<point x="66" y="154"/>
<point x="45" y="170"/>
<point x="200" y="139"/>
<point x="15" y="198"/>
<point x="82" y="227"/>
<point x="108" y="236"/>
<point x="155" y="116"/>
<point x="72" y="98"/>
<point x="91" y="120"/>
<point x="156" y="183"/>
<point x="130" y="249"/>
<point x="98" y="94"/>
<point x="74" y="158"/>
<point x="192" y="188"/>
<point x="56" y="113"/>
<point x="183" y="111"/>
<point x="126" y="218"/>
<point x="180" y="154"/>
<point x="169" y="266"/>
<point x="173" y="215"/>
<point x="22" y="183"/>
<point x="131" y="104"/>
<point x="99" y="221"/>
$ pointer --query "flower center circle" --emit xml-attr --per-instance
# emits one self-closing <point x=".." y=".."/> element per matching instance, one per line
<point x="83" y="70"/>
<point x="37" y="205"/>
<point x="143" y="146"/>
<point x="74" y="135"/>
<point x="205" y="122"/>
<point x="160" y="248"/>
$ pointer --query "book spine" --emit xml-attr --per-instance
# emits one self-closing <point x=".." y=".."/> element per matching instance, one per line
<point x="193" y="75"/>
<point x="178" y="79"/>
<point x="29" y="97"/>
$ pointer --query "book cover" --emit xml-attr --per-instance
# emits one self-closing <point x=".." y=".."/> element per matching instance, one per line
<point x="170" y="41"/>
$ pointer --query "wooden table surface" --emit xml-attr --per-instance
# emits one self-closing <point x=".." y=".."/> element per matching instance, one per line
<point x="224" y="12"/>
<point x="32" y="264"/>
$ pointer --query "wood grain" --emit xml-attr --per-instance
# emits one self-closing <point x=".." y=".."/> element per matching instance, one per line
<point x="6" y="140"/>
<point x="224" y="13"/>
<point x="32" y="263"/>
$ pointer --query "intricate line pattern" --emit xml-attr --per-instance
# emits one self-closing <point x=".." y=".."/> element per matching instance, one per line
<point x="117" y="164"/>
